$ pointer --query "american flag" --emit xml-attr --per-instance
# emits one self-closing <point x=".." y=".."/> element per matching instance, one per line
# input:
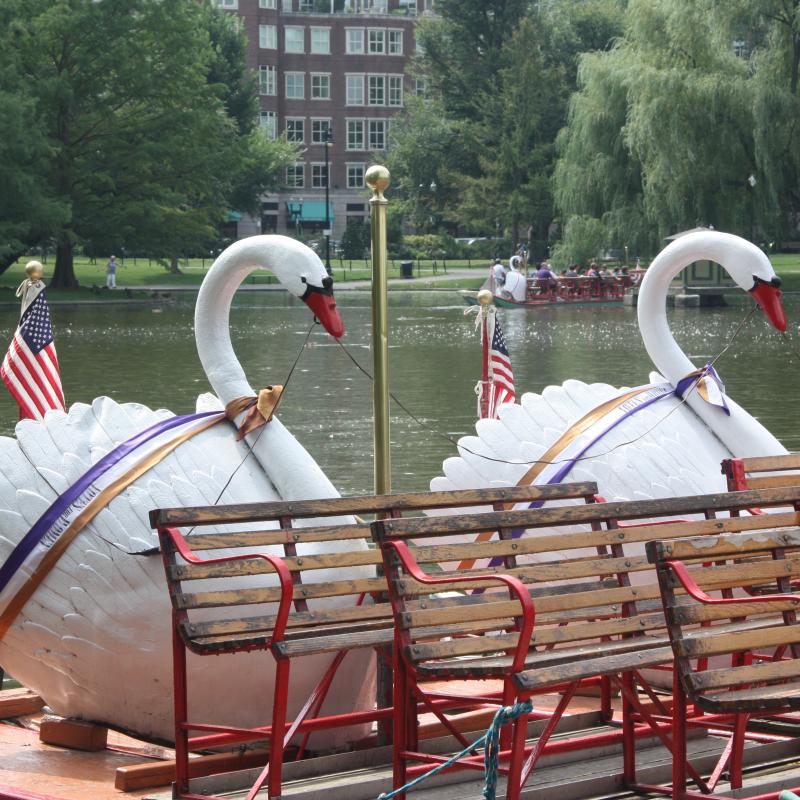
<point x="30" y="368"/>
<point x="500" y="373"/>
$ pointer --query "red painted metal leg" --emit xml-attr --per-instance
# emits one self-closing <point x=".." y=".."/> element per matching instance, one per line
<point x="274" y="769"/>
<point x="678" y="738"/>
<point x="606" y="712"/>
<point x="181" y="707"/>
<point x="514" y="786"/>
<point x="737" y="751"/>
<point x="628" y="739"/>
<point x="401" y="702"/>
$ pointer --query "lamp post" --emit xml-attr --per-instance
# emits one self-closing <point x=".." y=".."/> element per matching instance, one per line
<point x="328" y="143"/>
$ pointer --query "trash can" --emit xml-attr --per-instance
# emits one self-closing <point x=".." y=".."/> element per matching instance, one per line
<point x="407" y="269"/>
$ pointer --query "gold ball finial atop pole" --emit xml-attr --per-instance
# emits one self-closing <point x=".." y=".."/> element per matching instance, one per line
<point x="378" y="179"/>
<point x="485" y="297"/>
<point x="34" y="270"/>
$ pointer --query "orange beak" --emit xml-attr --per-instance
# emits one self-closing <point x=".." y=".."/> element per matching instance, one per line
<point x="323" y="305"/>
<point x="768" y="296"/>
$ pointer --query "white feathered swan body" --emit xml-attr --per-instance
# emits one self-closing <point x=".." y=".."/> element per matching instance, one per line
<point x="94" y="640"/>
<point x="680" y="448"/>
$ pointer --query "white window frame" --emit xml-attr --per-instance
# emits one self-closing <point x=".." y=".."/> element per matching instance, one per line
<point x="268" y="120"/>
<point x="354" y="89"/>
<point x="352" y="165"/>
<point x="286" y="5"/>
<point x="376" y="88"/>
<point x="228" y="5"/>
<point x="317" y="183"/>
<point x="294" y="122"/>
<point x="354" y="36"/>
<point x="293" y="75"/>
<point x="382" y="50"/>
<point x="420" y="87"/>
<point x="398" y="34"/>
<point x="385" y="123"/>
<point x="268" y="37"/>
<point x="352" y="121"/>
<point x="294" y="184"/>
<point x="394" y="91"/>
<point x="325" y="75"/>
<point x="327" y="41"/>
<point x="293" y="30"/>
<point x="318" y="137"/>
<point x="267" y="3"/>
<point x="267" y="79"/>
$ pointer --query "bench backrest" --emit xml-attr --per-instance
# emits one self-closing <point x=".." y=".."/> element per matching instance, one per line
<point x="729" y="596"/>
<point x="585" y="570"/>
<point x="324" y="554"/>
<point x="762" y="472"/>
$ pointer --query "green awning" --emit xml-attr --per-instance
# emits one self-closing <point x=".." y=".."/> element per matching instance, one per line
<point x="234" y="216"/>
<point x="310" y="210"/>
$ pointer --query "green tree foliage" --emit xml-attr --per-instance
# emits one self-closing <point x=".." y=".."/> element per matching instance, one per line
<point x="499" y="77"/>
<point x="691" y="118"/>
<point x="146" y="121"/>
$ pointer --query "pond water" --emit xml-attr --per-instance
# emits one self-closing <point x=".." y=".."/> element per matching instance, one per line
<point x="148" y="355"/>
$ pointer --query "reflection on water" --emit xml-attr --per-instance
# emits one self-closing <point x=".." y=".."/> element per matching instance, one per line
<point x="148" y="356"/>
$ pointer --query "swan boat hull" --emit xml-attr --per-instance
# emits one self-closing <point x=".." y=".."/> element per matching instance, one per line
<point x="471" y="299"/>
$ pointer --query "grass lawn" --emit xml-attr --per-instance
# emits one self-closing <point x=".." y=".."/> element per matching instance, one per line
<point x="143" y="272"/>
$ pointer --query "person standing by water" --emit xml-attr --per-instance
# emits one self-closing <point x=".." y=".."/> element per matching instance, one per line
<point x="498" y="276"/>
<point x="111" y="273"/>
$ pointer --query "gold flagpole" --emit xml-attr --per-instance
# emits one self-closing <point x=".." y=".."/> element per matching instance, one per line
<point x="377" y="178"/>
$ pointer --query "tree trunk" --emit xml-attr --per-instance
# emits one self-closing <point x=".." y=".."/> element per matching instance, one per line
<point x="64" y="275"/>
<point x="174" y="269"/>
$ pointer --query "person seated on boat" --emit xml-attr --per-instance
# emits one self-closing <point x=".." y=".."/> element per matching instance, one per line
<point x="498" y="276"/>
<point x="592" y="271"/>
<point x="516" y="286"/>
<point x="625" y="277"/>
<point x="572" y="271"/>
<point x="545" y="277"/>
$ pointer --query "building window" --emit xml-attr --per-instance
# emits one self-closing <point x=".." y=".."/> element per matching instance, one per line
<point x="319" y="129"/>
<point x="355" y="134"/>
<point x="269" y="122"/>
<point x="354" y="44"/>
<point x="228" y="3"/>
<point x="306" y="5"/>
<point x="377" y="134"/>
<point x="355" y="90"/>
<point x="295" y="85"/>
<point x="320" y="86"/>
<point x="377" y="90"/>
<point x="319" y="176"/>
<point x="355" y="176"/>
<point x="267" y="37"/>
<point x="267" y="4"/>
<point x="376" y="37"/>
<point x="395" y="44"/>
<point x="267" y="78"/>
<point x="296" y="129"/>
<point x="395" y="90"/>
<point x="294" y="39"/>
<point x="321" y="40"/>
<point x="295" y="175"/>
<point x="420" y="87"/>
<point x="286" y="5"/>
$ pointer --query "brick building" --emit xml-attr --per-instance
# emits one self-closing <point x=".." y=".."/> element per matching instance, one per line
<point x="327" y="68"/>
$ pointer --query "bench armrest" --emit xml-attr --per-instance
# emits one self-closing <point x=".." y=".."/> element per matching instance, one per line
<point x="515" y="589"/>
<point x="688" y="583"/>
<point x="284" y="576"/>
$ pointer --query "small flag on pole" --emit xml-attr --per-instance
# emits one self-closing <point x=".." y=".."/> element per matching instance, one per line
<point x="30" y="368"/>
<point x="500" y="373"/>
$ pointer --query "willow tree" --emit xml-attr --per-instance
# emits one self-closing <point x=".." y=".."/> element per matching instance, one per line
<point x="690" y="119"/>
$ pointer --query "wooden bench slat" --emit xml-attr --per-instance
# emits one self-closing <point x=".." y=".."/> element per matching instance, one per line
<point x="345" y="506"/>
<point x="709" y="679"/>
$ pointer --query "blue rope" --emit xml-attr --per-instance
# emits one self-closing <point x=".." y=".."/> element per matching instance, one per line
<point x="503" y="716"/>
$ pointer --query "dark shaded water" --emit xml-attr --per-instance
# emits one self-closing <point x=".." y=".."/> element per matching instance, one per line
<point x="148" y="356"/>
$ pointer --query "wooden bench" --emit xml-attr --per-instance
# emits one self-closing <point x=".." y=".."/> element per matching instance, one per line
<point x="762" y="472"/>
<point x="270" y="591"/>
<point x="588" y="608"/>
<point x="733" y="599"/>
